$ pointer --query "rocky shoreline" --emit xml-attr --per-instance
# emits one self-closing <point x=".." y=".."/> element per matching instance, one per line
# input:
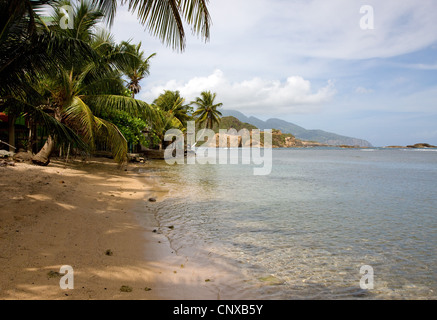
<point x="414" y="146"/>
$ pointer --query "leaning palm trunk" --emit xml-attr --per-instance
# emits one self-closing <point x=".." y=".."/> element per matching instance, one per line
<point x="42" y="158"/>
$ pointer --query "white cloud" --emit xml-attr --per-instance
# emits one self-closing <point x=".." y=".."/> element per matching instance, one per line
<point x="255" y="41"/>
<point x="257" y="95"/>
<point x="323" y="29"/>
<point x="331" y="29"/>
<point x="275" y="38"/>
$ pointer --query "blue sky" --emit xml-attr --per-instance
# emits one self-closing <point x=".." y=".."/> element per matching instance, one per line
<point x="309" y="62"/>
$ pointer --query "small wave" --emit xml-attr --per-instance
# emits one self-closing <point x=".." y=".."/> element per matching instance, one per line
<point x="423" y="150"/>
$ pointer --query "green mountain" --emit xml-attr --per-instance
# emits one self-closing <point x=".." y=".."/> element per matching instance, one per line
<point x="232" y="122"/>
<point x="299" y="132"/>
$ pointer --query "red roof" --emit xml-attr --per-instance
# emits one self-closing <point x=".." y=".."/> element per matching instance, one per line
<point x="3" y="117"/>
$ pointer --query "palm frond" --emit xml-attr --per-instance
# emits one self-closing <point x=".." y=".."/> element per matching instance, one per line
<point x="109" y="133"/>
<point x="51" y="125"/>
<point x="79" y="115"/>
<point x="106" y="102"/>
<point x="164" y="18"/>
<point x="197" y="15"/>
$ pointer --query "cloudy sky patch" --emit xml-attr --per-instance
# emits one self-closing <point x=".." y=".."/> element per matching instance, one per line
<point x="309" y="62"/>
<point x="294" y="95"/>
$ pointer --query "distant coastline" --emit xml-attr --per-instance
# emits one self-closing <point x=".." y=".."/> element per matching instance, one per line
<point x="320" y="136"/>
<point x="414" y="146"/>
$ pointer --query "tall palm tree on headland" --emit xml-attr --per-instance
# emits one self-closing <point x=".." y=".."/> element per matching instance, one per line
<point x="207" y="112"/>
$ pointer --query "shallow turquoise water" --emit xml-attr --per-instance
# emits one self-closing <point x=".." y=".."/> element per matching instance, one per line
<point x="304" y="231"/>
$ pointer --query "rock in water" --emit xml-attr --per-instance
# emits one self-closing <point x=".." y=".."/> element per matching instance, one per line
<point x="421" y="146"/>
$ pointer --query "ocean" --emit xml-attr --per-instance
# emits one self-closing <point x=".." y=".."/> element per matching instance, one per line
<point x="305" y="230"/>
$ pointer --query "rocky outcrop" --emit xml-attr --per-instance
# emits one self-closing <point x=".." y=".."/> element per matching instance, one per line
<point x="414" y="146"/>
<point x="313" y="144"/>
<point x="230" y="141"/>
<point x="279" y="140"/>
<point x="287" y="140"/>
<point x="421" y="146"/>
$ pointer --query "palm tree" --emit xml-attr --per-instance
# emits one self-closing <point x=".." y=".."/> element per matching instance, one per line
<point x="23" y="51"/>
<point x="83" y="89"/>
<point x="164" y="122"/>
<point x="136" y="67"/>
<point x="206" y="109"/>
<point x="165" y="18"/>
<point x="172" y="103"/>
<point x="173" y="113"/>
<point x="26" y="53"/>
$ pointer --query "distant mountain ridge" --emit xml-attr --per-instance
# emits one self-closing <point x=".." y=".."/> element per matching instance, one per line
<point x="299" y="132"/>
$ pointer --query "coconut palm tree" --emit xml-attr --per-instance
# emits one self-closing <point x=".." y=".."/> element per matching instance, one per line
<point x="23" y="51"/>
<point x="165" y="18"/>
<point x="172" y="103"/>
<point x="136" y="67"/>
<point x="26" y="54"/>
<point x="83" y="89"/>
<point x="207" y="112"/>
<point x="164" y="122"/>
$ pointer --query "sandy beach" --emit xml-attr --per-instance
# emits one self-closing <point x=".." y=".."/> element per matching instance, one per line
<point x="86" y="215"/>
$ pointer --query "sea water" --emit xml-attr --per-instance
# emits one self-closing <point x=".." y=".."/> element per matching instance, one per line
<point x="305" y="230"/>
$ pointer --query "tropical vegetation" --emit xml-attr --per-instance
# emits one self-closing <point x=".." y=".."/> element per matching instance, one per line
<point x="79" y="86"/>
<point x="207" y="113"/>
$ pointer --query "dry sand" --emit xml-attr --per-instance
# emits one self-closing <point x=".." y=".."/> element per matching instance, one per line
<point x="72" y="214"/>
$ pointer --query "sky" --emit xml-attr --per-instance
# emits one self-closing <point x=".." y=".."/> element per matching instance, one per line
<point x="365" y="69"/>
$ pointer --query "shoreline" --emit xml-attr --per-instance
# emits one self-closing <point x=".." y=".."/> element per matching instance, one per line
<point x="188" y="274"/>
<point x="71" y="214"/>
<point x="75" y="214"/>
<point x="97" y="219"/>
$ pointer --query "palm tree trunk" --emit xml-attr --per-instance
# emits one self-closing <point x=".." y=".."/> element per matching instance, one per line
<point x="42" y="158"/>
<point x="31" y="137"/>
<point x="11" y="131"/>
